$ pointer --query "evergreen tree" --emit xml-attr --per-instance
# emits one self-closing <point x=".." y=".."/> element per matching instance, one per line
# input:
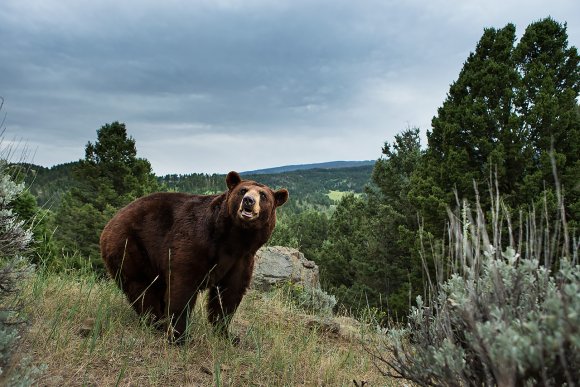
<point x="305" y="231"/>
<point x="476" y="129"/>
<point x="370" y="258"/>
<point x="110" y="176"/>
<point x="547" y="105"/>
<point x="394" y="266"/>
<point x="501" y="117"/>
<point x="343" y="255"/>
<point x="111" y="173"/>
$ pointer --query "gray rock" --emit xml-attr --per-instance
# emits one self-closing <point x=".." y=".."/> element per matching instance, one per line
<point x="276" y="265"/>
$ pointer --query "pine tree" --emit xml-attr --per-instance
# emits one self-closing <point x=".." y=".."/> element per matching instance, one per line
<point x="547" y="105"/>
<point x="111" y="173"/>
<point x="343" y="254"/>
<point x="369" y="258"/>
<point x="500" y="119"/>
<point x="110" y="176"/>
<point x="476" y="129"/>
<point x="395" y="268"/>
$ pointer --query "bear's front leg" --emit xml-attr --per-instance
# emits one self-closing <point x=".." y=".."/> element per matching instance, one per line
<point x="225" y="297"/>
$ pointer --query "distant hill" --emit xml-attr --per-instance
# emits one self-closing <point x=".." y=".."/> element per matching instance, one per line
<point x="302" y="167"/>
<point x="49" y="184"/>
<point x="309" y="188"/>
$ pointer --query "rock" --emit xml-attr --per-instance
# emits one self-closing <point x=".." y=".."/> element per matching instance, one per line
<point x="324" y="325"/>
<point x="276" y="265"/>
<point x="88" y="328"/>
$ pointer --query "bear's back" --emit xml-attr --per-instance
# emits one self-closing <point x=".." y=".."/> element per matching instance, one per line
<point x="157" y="213"/>
<point x="151" y="223"/>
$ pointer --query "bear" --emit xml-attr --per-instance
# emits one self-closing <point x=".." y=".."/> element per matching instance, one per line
<point x="165" y="248"/>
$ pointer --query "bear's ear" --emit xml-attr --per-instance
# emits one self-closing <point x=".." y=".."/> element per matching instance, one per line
<point x="233" y="179"/>
<point x="281" y="196"/>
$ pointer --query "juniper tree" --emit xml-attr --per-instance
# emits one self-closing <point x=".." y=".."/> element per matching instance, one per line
<point x="547" y="105"/>
<point x="476" y="128"/>
<point x="509" y="107"/>
<point x="109" y="177"/>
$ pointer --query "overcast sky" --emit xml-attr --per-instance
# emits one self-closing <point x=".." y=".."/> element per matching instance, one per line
<point x="219" y="85"/>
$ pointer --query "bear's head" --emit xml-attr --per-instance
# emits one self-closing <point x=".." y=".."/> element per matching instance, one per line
<point x="251" y="204"/>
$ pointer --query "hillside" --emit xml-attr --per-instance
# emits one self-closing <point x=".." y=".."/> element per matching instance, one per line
<point x="309" y="188"/>
<point x="48" y="184"/>
<point x="83" y="332"/>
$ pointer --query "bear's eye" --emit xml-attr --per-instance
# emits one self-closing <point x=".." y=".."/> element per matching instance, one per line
<point x="243" y="191"/>
<point x="263" y="196"/>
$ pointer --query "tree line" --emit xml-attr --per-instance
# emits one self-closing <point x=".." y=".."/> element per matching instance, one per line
<point x="309" y="188"/>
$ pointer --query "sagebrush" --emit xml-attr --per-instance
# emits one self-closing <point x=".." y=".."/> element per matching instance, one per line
<point x="499" y="319"/>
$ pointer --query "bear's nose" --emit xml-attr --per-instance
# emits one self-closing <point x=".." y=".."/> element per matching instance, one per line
<point x="248" y="201"/>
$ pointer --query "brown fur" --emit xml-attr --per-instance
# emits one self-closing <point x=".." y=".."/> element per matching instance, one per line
<point x="166" y="247"/>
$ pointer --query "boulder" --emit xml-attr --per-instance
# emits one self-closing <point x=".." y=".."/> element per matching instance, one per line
<point x="276" y="265"/>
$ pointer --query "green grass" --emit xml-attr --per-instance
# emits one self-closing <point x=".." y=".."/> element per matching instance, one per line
<point x="336" y="196"/>
<point x="85" y="332"/>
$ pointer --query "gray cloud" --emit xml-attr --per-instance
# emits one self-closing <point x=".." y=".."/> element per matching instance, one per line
<point x="209" y="86"/>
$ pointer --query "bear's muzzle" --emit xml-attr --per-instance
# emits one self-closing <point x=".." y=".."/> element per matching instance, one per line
<point x="250" y="206"/>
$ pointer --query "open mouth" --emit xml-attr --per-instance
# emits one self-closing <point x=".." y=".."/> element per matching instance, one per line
<point x="246" y="214"/>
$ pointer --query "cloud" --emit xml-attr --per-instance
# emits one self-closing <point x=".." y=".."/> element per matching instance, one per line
<point x="289" y="75"/>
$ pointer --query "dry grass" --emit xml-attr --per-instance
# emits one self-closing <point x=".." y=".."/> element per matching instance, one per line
<point x="85" y="333"/>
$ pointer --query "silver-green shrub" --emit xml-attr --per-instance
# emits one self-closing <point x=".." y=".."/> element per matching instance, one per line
<point x="15" y="238"/>
<point x="313" y="300"/>
<point x="499" y="319"/>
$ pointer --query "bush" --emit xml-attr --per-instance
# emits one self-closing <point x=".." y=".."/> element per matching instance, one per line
<point x="500" y="319"/>
<point x="15" y="238"/>
<point x="314" y="300"/>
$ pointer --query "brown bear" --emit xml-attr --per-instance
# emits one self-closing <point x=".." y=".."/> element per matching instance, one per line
<point x="163" y="249"/>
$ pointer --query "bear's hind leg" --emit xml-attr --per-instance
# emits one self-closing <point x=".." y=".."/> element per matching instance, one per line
<point x="146" y="297"/>
<point x="128" y="264"/>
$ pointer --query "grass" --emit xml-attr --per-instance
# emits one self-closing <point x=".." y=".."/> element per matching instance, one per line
<point x="85" y="333"/>
<point x="336" y="196"/>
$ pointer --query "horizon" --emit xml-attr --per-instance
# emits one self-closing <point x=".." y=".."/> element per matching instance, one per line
<point x="291" y="167"/>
